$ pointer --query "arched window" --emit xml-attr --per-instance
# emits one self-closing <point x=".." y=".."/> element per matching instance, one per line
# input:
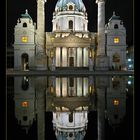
<point x="70" y="7"/>
<point x="71" y="24"/>
<point x="24" y="24"/>
<point x="116" y="26"/>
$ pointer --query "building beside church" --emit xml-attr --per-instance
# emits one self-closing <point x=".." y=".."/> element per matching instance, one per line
<point x="70" y="44"/>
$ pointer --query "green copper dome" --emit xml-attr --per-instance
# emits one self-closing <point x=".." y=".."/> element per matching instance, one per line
<point x="62" y="4"/>
<point x="114" y="17"/>
<point x="26" y="15"/>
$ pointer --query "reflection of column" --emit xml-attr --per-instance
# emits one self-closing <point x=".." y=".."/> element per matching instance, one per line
<point x="100" y="109"/>
<point x="64" y="87"/>
<point x="41" y="115"/>
<point x="85" y="86"/>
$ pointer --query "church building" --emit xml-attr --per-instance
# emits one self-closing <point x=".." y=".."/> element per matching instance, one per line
<point x="70" y="45"/>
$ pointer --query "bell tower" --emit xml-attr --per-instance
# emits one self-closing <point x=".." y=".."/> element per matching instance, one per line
<point x="24" y="43"/>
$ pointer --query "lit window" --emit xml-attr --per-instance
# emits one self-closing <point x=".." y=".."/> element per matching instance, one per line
<point x="90" y="53"/>
<point x="90" y="89"/>
<point x="24" y="104"/>
<point x="51" y="53"/>
<point x="129" y="60"/>
<point x="51" y="89"/>
<point x="115" y="102"/>
<point x="116" y="40"/>
<point x="24" y="39"/>
<point x="129" y="82"/>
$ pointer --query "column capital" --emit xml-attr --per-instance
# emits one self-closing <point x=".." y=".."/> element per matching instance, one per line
<point x="97" y="1"/>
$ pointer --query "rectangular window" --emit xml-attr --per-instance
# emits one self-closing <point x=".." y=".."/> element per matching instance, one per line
<point x="116" y="40"/>
<point x="24" y="104"/>
<point x="115" y="102"/>
<point x="24" y="39"/>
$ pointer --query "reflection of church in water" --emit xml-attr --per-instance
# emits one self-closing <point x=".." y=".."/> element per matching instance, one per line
<point x="69" y="45"/>
<point x="70" y="99"/>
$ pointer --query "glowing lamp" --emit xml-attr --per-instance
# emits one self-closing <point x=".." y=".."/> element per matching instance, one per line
<point x="24" y="104"/>
<point x="24" y="39"/>
<point x="116" y="40"/>
<point x="115" y="102"/>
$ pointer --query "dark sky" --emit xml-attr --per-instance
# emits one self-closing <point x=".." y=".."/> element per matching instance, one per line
<point x="123" y="8"/>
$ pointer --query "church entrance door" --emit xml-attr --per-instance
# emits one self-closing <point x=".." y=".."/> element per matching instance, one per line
<point x="71" y="61"/>
<point x="25" y="62"/>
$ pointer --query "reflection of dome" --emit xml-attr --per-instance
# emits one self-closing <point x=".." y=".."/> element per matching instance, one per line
<point x="70" y="125"/>
<point x="62" y="4"/>
<point x="71" y="135"/>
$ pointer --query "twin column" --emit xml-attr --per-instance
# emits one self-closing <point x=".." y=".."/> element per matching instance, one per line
<point x="101" y="27"/>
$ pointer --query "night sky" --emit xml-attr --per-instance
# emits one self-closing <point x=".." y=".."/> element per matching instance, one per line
<point x="123" y="8"/>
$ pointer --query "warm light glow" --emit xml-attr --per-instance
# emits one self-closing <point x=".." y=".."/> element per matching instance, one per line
<point x="51" y="89"/>
<point x="90" y="53"/>
<point x="24" y="104"/>
<point x="24" y="39"/>
<point x="116" y="102"/>
<point x="116" y="40"/>
<point x="90" y="89"/>
<point x="51" y="53"/>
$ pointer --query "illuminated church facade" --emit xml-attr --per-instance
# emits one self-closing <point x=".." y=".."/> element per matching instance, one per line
<point x="70" y="44"/>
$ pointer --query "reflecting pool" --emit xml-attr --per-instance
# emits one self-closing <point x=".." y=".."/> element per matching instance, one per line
<point x="70" y="108"/>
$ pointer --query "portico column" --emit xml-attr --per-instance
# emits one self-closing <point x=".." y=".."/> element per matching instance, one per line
<point x="101" y="109"/>
<point x="76" y="57"/>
